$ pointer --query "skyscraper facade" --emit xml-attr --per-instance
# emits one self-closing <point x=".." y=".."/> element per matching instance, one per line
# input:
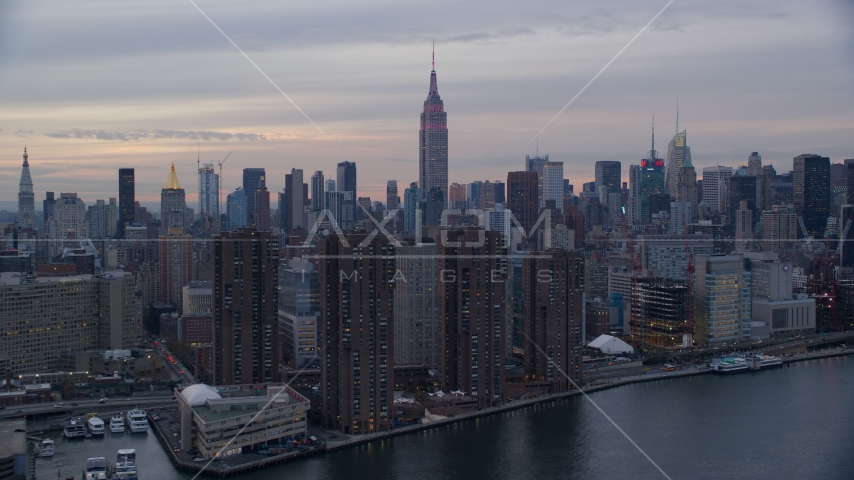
<point x="101" y="219"/>
<point x="251" y="180"/>
<point x="716" y="186"/>
<point x="236" y="209"/>
<point x="127" y="198"/>
<point x="209" y="195"/>
<point x="678" y="152"/>
<point x="245" y="307"/>
<point x="811" y="184"/>
<point x="416" y="307"/>
<point x="553" y="184"/>
<point x="294" y="200"/>
<point x="457" y="196"/>
<point x="535" y="164"/>
<point x="262" y="206"/>
<point x="413" y="198"/>
<point x="553" y="289"/>
<point x="26" y="197"/>
<point x="392" y="200"/>
<point x="347" y="183"/>
<point x="176" y="267"/>
<point x="173" y="207"/>
<point x="651" y="176"/>
<point x="609" y="175"/>
<point x="317" y="192"/>
<point x="433" y="143"/>
<point x="357" y="333"/>
<point x="522" y="194"/>
<point x="472" y="305"/>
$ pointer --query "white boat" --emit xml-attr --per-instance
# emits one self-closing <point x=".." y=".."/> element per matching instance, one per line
<point x="117" y="424"/>
<point x="46" y="448"/>
<point x="96" y="469"/>
<point x="95" y="426"/>
<point x="126" y="464"/>
<point x="767" y="361"/>
<point x="136" y="421"/>
<point x="730" y="365"/>
<point x="74" y="429"/>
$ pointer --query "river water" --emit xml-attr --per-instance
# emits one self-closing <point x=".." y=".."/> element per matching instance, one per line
<point x="795" y="422"/>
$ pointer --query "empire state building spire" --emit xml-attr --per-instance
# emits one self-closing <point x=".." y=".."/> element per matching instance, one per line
<point x="433" y="143"/>
<point x="26" y="202"/>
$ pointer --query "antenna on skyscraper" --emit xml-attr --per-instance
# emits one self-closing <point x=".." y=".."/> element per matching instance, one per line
<point x="434" y="56"/>
<point x="652" y="151"/>
<point x="198" y="155"/>
<point x="677" y="115"/>
<point x="538" y="145"/>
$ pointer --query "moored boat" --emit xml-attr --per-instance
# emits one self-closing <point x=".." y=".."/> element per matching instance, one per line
<point x="136" y="421"/>
<point x="126" y="464"/>
<point x="730" y="365"/>
<point x="46" y="448"/>
<point x="96" y="469"/>
<point x="767" y="361"/>
<point x="95" y="426"/>
<point x="74" y="429"/>
<point x="117" y="424"/>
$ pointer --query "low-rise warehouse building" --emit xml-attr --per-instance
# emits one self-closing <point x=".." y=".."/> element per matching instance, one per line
<point x="211" y="417"/>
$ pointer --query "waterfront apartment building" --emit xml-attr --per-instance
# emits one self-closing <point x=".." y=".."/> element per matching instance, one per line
<point x="553" y="286"/>
<point x="245" y="304"/>
<point x="472" y="305"/>
<point x="210" y="417"/>
<point x="417" y="339"/>
<point x="47" y="316"/>
<point x="722" y="300"/>
<point x="357" y="332"/>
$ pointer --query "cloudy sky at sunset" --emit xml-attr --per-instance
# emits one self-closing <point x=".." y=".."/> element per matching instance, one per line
<point x="91" y="86"/>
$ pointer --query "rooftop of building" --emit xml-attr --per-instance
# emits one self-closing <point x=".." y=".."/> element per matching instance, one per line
<point x="15" y="278"/>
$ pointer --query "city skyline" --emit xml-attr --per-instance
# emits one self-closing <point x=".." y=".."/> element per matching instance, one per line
<point x="128" y="125"/>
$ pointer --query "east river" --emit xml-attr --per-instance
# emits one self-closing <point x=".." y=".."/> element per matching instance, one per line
<point x="793" y="422"/>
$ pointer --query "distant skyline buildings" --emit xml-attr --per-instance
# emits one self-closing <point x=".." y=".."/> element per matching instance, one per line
<point x="26" y="197"/>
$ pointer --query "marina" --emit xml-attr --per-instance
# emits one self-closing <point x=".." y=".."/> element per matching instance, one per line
<point x="528" y="441"/>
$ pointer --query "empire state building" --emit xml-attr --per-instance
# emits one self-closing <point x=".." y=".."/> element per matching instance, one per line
<point x="433" y="143"/>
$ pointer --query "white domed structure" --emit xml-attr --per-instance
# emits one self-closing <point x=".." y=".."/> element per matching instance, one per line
<point x="198" y="394"/>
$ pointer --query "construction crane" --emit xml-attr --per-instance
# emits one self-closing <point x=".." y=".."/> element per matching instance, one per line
<point x="219" y="190"/>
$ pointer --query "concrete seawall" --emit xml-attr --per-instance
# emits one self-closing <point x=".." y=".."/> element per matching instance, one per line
<point x="218" y="471"/>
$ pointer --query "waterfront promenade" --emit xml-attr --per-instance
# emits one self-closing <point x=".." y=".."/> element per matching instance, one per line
<point x="335" y="441"/>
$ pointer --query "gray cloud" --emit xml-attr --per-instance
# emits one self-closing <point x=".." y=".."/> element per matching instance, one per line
<point x="136" y="135"/>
